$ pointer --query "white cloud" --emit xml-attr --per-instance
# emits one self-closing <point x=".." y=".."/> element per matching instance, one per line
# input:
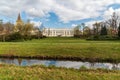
<point x="108" y="13"/>
<point x="66" y="10"/>
<point x="69" y="10"/>
<point x="73" y="25"/>
<point x="90" y="23"/>
<point x="36" y="23"/>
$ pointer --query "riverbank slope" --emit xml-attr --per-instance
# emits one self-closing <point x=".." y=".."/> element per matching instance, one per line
<point x="11" y="72"/>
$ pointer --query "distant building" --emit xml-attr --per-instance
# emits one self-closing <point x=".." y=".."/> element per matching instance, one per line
<point x="58" y="32"/>
<point x="48" y="32"/>
<point x="19" y="24"/>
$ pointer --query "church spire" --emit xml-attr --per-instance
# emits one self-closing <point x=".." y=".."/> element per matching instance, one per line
<point x="19" y="20"/>
<point x="19" y="23"/>
<point x="19" y="17"/>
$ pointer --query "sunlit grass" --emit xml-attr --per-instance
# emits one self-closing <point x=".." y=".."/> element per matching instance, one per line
<point x="10" y="72"/>
<point x="63" y="47"/>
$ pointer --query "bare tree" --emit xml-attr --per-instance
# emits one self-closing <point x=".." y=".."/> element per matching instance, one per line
<point x="97" y="27"/>
<point x="27" y="29"/>
<point x="8" y="27"/>
<point x="1" y="27"/>
<point x="87" y="31"/>
<point x="2" y="37"/>
<point x="113" y="22"/>
<point x="77" y="31"/>
<point x="83" y="26"/>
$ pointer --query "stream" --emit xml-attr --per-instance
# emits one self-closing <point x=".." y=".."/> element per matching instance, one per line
<point x="57" y="63"/>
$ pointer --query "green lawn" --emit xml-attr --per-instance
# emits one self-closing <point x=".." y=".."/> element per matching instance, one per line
<point x="10" y="72"/>
<point x="64" y="47"/>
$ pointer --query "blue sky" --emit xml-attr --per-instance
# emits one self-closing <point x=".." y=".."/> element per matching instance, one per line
<point x="59" y="13"/>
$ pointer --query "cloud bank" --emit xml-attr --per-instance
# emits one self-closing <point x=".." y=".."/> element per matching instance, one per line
<point x="66" y="10"/>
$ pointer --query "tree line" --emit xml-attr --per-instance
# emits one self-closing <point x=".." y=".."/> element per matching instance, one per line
<point x="109" y="29"/>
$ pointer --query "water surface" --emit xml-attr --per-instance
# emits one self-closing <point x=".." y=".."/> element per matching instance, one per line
<point x="67" y="64"/>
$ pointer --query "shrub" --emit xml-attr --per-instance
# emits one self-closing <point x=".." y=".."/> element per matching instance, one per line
<point x="77" y="36"/>
<point x="14" y="37"/>
<point x="104" y="37"/>
<point x="83" y="68"/>
<point x="37" y="37"/>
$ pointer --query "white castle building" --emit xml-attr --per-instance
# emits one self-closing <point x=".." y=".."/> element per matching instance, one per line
<point x="58" y="32"/>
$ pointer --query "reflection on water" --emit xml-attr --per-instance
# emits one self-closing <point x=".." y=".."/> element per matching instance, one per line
<point x="67" y="64"/>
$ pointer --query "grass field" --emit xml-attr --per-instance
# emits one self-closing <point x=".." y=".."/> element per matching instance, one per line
<point x="64" y="47"/>
<point x="11" y="72"/>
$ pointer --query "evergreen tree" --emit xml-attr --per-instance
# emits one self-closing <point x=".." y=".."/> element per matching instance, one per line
<point x="103" y="31"/>
<point x="119" y="30"/>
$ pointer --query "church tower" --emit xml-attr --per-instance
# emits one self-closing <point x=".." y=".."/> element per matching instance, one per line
<point x="19" y="20"/>
<point x="19" y="24"/>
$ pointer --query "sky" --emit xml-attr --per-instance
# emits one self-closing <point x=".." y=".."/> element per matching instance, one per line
<point x="58" y="13"/>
